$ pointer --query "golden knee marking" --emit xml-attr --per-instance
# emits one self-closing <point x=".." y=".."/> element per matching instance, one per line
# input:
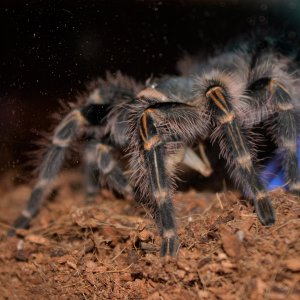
<point x="25" y="213"/>
<point x="161" y="195"/>
<point x="103" y="148"/>
<point x="75" y="115"/>
<point x="245" y="161"/>
<point x="227" y="118"/>
<point x="168" y="234"/>
<point x="285" y="106"/>
<point x="41" y="183"/>
<point x="149" y="144"/>
<point x="95" y="97"/>
<point x="289" y="145"/>
<point x="63" y="143"/>
<point x="261" y="195"/>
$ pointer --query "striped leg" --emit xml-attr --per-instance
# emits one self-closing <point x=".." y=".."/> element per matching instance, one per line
<point x="159" y="130"/>
<point x="234" y="147"/>
<point x="100" y="165"/>
<point x="51" y="165"/>
<point x="110" y="171"/>
<point x="91" y="170"/>
<point x="284" y="126"/>
<point x="91" y="114"/>
<point x="285" y="133"/>
<point x="154" y="155"/>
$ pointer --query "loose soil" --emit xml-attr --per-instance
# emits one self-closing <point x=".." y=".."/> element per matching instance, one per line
<point x="110" y="249"/>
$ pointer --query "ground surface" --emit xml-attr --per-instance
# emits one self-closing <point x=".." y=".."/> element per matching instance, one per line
<point x="109" y="250"/>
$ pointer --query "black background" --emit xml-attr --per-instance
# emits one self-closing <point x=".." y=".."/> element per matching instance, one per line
<point x="50" y="49"/>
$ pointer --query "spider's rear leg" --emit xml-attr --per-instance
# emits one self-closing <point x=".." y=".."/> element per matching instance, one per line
<point x="234" y="147"/>
<point x="100" y="165"/>
<point x="284" y="128"/>
<point x="91" y="170"/>
<point x="110" y="171"/>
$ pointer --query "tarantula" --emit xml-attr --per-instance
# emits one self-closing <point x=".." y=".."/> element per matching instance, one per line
<point x="220" y="98"/>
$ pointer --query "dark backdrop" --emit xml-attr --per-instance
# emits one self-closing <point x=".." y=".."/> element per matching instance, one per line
<point x="50" y="49"/>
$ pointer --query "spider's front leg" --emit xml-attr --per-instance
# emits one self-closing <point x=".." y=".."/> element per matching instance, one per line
<point x="51" y="165"/>
<point x="110" y="171"/>
<point x="154" y="156"/>
<point x="158" y="132"/>
<point x="235" y="148"/>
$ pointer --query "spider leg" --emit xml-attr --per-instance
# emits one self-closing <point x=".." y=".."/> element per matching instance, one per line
<point x="158" y="127"/>
<point x="283" y="124"/>
<point x="154" y="159"/>
<point x="110" y="171"/>
<point x="100" y="164"/>
<point x="91" y="114"/>
<point x="200" y="164"/>
<point x="91" y="170"/>
<point x="285" y="133"/>
<point x="51" y="165"/>
<point x="234" y="147"/>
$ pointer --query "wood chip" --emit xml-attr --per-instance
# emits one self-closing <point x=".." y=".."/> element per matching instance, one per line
<point x="292" y="264"/>
<point x="230" y="242"/>
<point x="37" y="239"/>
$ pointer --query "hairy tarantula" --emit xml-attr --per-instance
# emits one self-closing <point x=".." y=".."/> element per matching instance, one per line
<point x="222" y="98"/>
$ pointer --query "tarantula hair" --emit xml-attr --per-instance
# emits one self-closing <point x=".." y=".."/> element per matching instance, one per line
<point x="220" y="98"/>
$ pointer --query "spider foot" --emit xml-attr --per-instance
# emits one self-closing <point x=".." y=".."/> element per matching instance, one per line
<point x="21" y="222"/>
<point x="295" y="192"/>
<point x="169" y="246"/>
<point x="11" y="232"/>
<point x="90" y="199"/>
<point x="295" y="189"/>
<point x="265" y="211"/>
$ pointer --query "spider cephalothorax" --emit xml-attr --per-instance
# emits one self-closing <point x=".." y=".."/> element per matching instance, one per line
<point x="220" y="98"/>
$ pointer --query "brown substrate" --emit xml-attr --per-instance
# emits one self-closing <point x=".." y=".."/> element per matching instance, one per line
<point x="109" y="250"/>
